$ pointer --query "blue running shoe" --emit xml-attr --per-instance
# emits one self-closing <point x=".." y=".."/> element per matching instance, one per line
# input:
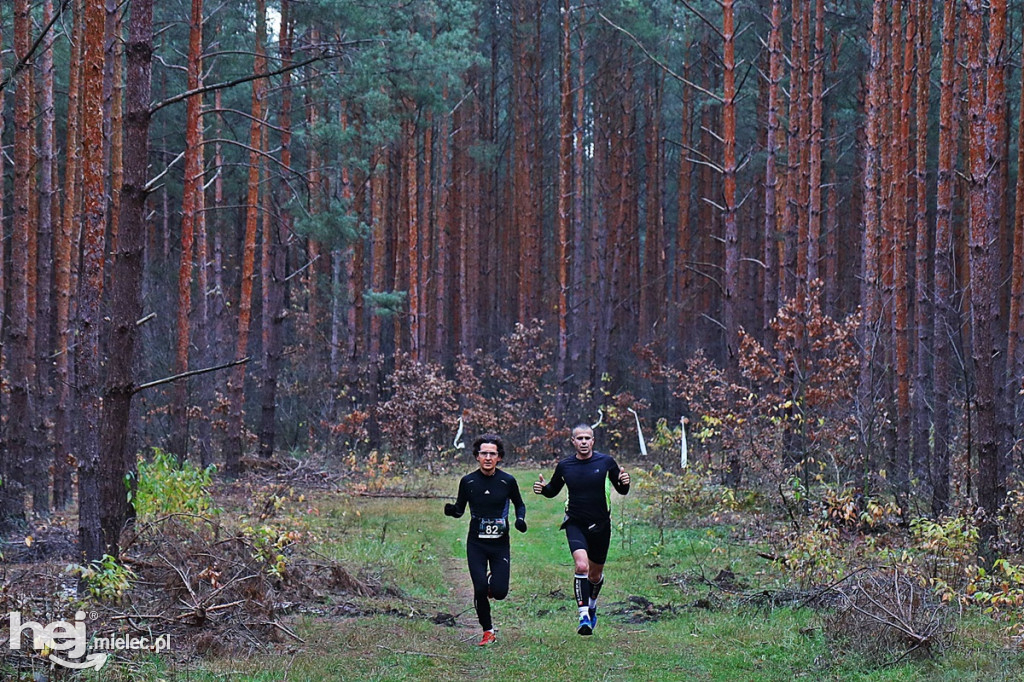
<point x="593" y="618"/>
<point x="586" y="625"/>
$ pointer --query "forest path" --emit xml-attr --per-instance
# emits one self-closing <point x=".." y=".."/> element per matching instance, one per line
<point x="460" y="590"/>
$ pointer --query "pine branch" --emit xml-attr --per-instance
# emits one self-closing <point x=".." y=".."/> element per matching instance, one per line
<point x="191" y="373"/>
<point x="25" y="61"/>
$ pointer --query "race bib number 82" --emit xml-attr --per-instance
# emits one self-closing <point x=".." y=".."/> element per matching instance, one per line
<point x="492" y="529"/>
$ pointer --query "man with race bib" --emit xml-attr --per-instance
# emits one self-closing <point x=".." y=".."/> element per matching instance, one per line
<point x="489" y="492"/>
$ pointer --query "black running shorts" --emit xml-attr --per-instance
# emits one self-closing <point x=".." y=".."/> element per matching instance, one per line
<point x="593" y="537"/>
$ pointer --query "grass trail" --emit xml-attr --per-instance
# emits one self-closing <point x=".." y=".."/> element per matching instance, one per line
<point x="658" y="619"/>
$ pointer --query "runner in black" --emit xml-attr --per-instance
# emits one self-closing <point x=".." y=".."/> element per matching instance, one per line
<point x="488" y="492"/>
<point x="588" y="522"/>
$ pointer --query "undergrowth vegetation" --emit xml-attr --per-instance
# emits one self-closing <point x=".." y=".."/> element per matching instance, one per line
<point x="886" y="588"/>
<point x="298" y="572"/>
<point x="167" y="486"/>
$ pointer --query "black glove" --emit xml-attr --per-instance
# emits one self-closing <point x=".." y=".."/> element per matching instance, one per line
<point x="451" y="510"/>
<point x="521" y="525"/>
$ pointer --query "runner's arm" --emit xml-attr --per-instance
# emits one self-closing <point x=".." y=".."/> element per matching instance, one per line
<point x="615" y="476"/>
<point x="459" y="508"/>
<point x="517" y="501"/>
<point x="554" y="486"/>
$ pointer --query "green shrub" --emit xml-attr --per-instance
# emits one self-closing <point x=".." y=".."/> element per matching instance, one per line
<point x="106" y="578"/>
<point x="169" y="487"/>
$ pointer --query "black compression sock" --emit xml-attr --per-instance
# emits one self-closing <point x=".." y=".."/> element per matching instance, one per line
<point x="595" y="588"/>
<point x="582" y="589"/>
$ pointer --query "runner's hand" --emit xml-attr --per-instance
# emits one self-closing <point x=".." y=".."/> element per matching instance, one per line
<point x="538" y="485"/>
<point x="623" y="477"/>
<point x="450" y="510"/>
<point x="521" y="525"/>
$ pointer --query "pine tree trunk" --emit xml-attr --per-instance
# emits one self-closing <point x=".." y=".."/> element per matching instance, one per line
<point x="652" y="283"/>
<point x="791" y="208"/>
<point x="205" y="332"/>
<point x="190" y="205"/>
<point x="579" y="334"/>
<point x="732" y="256"/>
<point x="771" y="179"/>
<point x="923" y="308"/>
<point x="412" y="253"/>
<point x="275" y="255"/>
<point x="48" y="207"/>
<point x="833" y="287"/>
<point x="984" y="304"/>
<point x="625" y="266"/>
<point x="563" y="254"/>
<point x="235" y="445"/>
<point x="118" y="457"/>
<point x="997" y="148"/>
<point x="902" y="69"/>
<point x="475" y="282"/>
<point x="729" y="220"/>
<point x="526" y="177"/>
<point x="20" y="467"/>
<point x="116" y="105"/>
<point x="8" y="501"/>
<point x="442" y="290"/>
<point x="816" y="135"/>
<point x="378" y="244"/>
<point x="66" y="245"/>
<point x="1015" y="341"/>
<point x="3" y="266"/>
<point x="91" y="540"/>
<point x="456" y="237"/>
<point x="870" y="249"/>
<point x="945" y="325"/>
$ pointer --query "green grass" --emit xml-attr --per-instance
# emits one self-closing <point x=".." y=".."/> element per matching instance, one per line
<point x="408" y="545"/>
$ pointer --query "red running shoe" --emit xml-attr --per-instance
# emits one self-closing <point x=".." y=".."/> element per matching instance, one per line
<point x="488" y="638"/>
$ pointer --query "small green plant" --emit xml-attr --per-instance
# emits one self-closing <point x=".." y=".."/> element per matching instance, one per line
<point x="169" y="487"/>
<point x="271" y="547"/>
<point x="813" y="557"/>
<point x="1002" y="590"/>
<point x="947" y="555"/>
<point x="106" y="578"/>
<point x="665" y="439"/>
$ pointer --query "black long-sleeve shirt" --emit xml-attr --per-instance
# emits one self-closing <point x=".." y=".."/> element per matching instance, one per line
<point x="585" y="479"/>
<point x="488" y="497"/>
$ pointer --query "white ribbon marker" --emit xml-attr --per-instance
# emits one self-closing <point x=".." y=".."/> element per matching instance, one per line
<point x="458" y="434"/>
<point x="639" y="432"/>
<point x="682" y="443"/>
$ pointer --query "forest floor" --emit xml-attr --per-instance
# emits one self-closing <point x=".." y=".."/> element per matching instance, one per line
<point x="308" y="574"/>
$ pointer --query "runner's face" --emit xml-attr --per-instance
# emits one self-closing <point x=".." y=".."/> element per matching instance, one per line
<point x="583" y="441"/>
<point x="488" y="458"/>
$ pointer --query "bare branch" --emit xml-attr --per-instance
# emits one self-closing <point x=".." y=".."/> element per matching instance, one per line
<point x="660" y="65"/>
<point x="713" y="320"/>
<point x="302" y="268"/>
<point x="184" y="375"/>
<point x="704" y="19"/>
<point x="223" y="85"/>
<point x="152" y="184"/>
<point x="26" y="60"/>
<point x="708" y="164"/>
